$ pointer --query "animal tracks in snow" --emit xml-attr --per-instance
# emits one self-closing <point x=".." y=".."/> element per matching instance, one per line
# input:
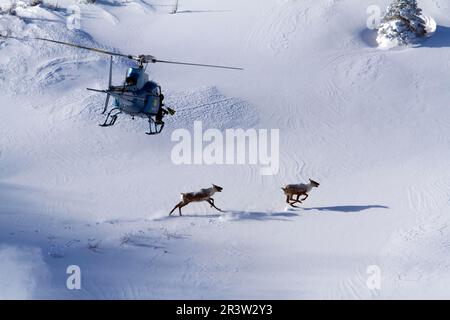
<point x="344" y="69"/>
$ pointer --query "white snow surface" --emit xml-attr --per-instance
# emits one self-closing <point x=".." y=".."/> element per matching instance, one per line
<point x="372" y="126"/>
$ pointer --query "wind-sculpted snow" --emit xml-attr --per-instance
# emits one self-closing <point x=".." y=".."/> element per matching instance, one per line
<point x="34" y="65"/>
<point x="408" y="274"/>
<point x="211" y="107"/>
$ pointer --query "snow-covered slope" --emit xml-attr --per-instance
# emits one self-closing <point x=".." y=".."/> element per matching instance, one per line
<point x="371" y="126"/>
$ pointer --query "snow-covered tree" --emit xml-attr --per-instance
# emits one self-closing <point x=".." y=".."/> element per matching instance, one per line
<point x="403" y="23"/>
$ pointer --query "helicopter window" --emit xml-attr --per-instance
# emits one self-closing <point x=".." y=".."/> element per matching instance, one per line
<point x="132" y="77"/>
<point x="131" y="80"/>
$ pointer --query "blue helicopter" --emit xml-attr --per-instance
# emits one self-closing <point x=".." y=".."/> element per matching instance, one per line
<point x="137" y="96"/>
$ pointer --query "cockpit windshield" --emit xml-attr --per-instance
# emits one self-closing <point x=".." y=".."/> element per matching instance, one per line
<point x="132" y="77"/>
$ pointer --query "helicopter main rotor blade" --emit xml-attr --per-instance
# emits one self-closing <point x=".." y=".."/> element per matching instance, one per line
<point x="140" y="58"/>
<point x="71" y="45"/>
<point x="87" y="48"/>
<point x="196" y="64"/>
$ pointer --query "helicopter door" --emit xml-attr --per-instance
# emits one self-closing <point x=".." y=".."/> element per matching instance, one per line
<point x="153" y="103"/>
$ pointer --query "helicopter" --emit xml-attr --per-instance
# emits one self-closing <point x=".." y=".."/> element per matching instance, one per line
<point x="137" y="96"/>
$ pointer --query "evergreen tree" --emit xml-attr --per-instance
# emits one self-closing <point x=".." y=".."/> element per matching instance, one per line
<point x="402" y="22"/>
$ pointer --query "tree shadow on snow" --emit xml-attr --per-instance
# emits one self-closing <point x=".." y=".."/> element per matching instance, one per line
<point x="369" y="37"/>
<point x="440" y="39"/>
<point x="347" y="209"/>
<point x="31" y="20"/>
<point x="111" y="3"/>
<point x="201" y="11"/>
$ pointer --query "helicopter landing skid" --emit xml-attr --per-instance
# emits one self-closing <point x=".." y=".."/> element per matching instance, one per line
<point x="113" y="114"/>
<point x="155" y="127"/>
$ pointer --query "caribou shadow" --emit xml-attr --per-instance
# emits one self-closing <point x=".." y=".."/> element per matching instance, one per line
<point x="347" y="208"/>
<point x="240" y="216"/>
<point x="262" y="216"/>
